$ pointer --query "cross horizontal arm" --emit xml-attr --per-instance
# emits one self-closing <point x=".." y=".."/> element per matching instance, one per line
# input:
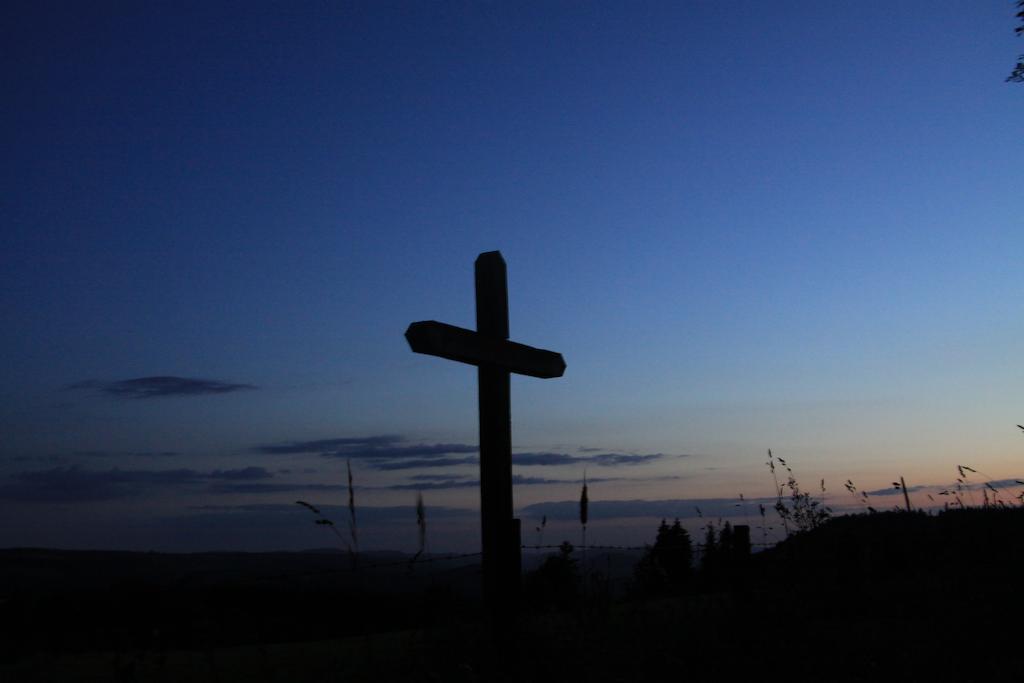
<point x="466" y="346"/>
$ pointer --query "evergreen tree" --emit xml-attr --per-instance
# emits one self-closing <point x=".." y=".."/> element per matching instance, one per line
<point x="674" y="552"/>
<point x="709" y="556"/>
<point x="665" y="566"/>
<point x="556" y="582"/>
<point x="725" y="541"/>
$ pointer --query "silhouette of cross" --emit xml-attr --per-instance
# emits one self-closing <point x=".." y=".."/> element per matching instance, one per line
<point x="496" y="357"/>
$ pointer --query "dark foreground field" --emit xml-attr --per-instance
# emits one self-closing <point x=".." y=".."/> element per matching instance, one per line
<point x="888" y="596"/>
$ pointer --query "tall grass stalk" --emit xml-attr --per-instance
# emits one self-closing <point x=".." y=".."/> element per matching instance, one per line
<point x="584" y="516"/>
<point x="989" y="485"/>
<point x="963" y="482"/>
<point x="352" y="528"/>
<point x="421" y="522"/>
<point x="862" y="497"/>
<point x="584" y="510"/>
<point x="803" y="511"/>
<point x="779" y="505"/>
<point x="421" y="528"/>
<point x="746" y="513"/>
<point x="764" y="525"/>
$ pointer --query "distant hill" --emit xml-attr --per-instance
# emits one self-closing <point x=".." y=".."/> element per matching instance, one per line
<point x="41" y="569"/>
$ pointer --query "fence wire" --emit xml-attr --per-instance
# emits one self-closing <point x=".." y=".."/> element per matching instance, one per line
<point x="414" y="562"/>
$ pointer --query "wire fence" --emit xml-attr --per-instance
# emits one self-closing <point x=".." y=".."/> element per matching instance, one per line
<point x="357" y="566"/>
<point x="695" y="546"/>
<point x="416" y="561"/>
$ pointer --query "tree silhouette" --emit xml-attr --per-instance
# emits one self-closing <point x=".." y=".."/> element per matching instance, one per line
<point x="666" y="566"/>
<point x="725" y="552"/>
<point x="710" y="558"/>
<point x="556" y="582"/>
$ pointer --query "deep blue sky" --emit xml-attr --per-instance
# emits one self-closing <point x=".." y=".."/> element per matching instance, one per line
<point x="746" y="225"/>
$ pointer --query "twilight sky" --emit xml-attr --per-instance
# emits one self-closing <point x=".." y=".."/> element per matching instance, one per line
<point x="748" y="225"/>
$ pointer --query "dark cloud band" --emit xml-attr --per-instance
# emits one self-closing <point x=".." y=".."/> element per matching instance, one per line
<point x="418" y="463"/>
<point x="75" y="484"/>
<point x="160" y="387"/>
<point x="461" y="483"/>
<point x="391" y="452"/>
<point x="598" y="459"/>
<point x="328" y="445"/>
<point x="383" y="447"/>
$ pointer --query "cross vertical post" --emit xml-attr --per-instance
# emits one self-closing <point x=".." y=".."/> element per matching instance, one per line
<point x="500" y="537"/>
<point x="488" y="347"/>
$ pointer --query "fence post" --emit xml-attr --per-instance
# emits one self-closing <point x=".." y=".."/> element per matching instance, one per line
<point x="741" y="540"/>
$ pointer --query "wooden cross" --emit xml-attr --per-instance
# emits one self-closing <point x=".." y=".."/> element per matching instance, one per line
<point x="495" y="357"/>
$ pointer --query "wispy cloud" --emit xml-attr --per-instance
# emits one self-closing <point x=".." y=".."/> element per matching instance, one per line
<point x="435" y="485"/>
<point x="438" y="477"/>
<point x="159" y="387"/>
<point x="435" y="450"/>
<point x="328" y="445"/>
<point x="391" y="452"/>
<point x="76" y="484"/>
<point x="52" y="459"/>
<point x="893" y="491"/>
<point x="517" y="480"/>
<point x="126" y="454"/>
<point x="244" y="474"/>
<point x="1006" y="483"/>
<point x="613" y="459"/>
<point x="599" y="459"/>
<point x="366" y="512"/>
<point x="79" y="456"/>
<point x="537" y="459"/>
<point x="236" y="487"/>
<point x="379" y="447"/>
<point x="1013" y="483"/>
<point x="418" y="463"/>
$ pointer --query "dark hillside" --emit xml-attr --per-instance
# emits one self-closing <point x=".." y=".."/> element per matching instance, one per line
<point x="77" y="601"/>
<point x="890" y="596"/>
<point x="903" y="564"/>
